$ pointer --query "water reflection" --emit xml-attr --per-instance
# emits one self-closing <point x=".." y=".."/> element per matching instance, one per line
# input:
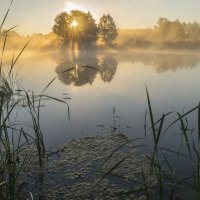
<point x="125" y="74"/>
<point x="174" y="62"/>
<point x="107" y="68"/>
<point x="162" y="62"/>
<point x="106" y="64"/>
<point x="87" y="66"/>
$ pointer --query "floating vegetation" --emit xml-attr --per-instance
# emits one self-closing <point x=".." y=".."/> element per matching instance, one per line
<point x="79" y="170"/>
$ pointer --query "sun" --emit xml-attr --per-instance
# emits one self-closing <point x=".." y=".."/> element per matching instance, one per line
<point x="74" y="23"/>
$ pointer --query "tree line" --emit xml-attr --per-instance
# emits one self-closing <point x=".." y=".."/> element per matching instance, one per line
<point x="80" y="27"/>
<point x="164" y="34"/>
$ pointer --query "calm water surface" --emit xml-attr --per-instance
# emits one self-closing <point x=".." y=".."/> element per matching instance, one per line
<point x="118" y="81"/>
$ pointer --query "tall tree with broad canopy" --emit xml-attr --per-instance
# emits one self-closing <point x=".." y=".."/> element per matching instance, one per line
<point x="76" y="26"/>
<point x="107" y="29"/>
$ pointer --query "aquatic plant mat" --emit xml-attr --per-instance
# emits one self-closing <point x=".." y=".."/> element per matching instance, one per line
<point x="96" y="167"/>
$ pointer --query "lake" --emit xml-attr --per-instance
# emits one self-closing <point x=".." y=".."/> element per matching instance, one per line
<point x="103" y="81"/>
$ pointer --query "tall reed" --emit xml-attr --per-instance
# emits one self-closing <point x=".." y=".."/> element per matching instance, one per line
<point x="15" y="142"/>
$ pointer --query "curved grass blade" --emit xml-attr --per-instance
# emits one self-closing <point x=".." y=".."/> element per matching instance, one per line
<point x="90" y="67"/>
<point x="177" y="185"/>
<point x="68" y="70"/>
<point x="175" y="152"/>
<point x="120" y="147"/>
<point x="181" y="116"/>
<point x="4" y="19"/>
<point x="15" y="60"/>
<point x="4" y="45"/>
<point x="8" y="30"/>
<point x="110" y="170"/>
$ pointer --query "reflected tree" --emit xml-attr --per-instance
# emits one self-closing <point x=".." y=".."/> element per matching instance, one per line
<point x="107" y="68"/>
<point x="161" y="62"/>
<point x="82" y="73"/>
<point x="165" y="63"/>
<point x="86" y="67"/>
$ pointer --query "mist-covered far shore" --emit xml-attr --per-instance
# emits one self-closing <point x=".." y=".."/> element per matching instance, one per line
<point x="165" y="35"/>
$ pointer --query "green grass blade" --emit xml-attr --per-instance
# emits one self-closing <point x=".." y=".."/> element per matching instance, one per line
<point x="159" y="130"/>
<point x="185" y="134"/>
<point x="151" y="116"/>
<point x="145" y="124"/>
<point x="199" y="124"/>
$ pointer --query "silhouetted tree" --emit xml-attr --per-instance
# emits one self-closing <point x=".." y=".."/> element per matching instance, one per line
<point x="62" y="26"/>
<point x="192" y="31"/>
<point x="171" y="31"/>
<point x="85" y="32"/>
<point x="107" y="29"/>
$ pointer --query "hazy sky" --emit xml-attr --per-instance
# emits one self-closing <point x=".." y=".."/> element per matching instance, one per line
<point x="38" y="15"/>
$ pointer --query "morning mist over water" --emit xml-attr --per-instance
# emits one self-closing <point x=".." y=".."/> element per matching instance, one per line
<point x="99" y="100"/>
